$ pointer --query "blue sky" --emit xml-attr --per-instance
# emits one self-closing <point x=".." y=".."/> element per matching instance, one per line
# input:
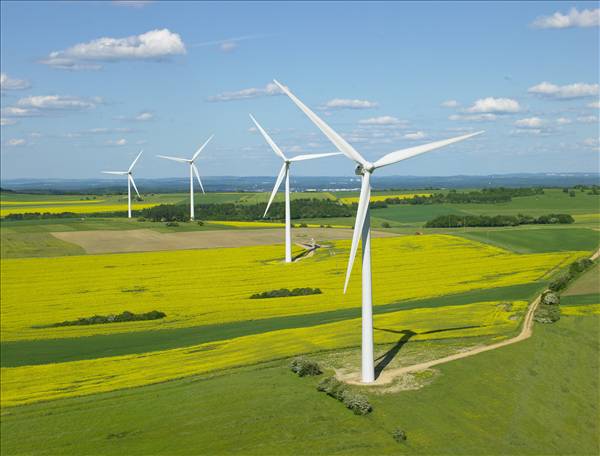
<point x="384" y="75"/>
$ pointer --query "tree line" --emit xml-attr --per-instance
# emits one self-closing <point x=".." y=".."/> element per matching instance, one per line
<point x="459" y="221"/>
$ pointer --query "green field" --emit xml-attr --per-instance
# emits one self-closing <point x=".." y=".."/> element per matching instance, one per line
<point x="216" y="366"/>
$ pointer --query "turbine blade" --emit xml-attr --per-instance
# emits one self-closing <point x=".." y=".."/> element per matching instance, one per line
<point x="403" y="154"/>
<point x="177" y="159"/>
<point x="271" y="143"/>
<point x="198" y="177"/>
<point x="135" y="161"/>
<point x="276" y="187"/>
<point x="312" y="156"/>
<point x="336" y="139"/>
<point x="119" y="173"/>
<point x="202" y="147"/>
<point x="361" y="213"/>
<point x="134" y="186"/>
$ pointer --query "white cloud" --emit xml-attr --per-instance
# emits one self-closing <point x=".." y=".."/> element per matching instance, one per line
<point x="345" y="103"/>
<point x="415" y="135"/>
<point x="132" y="3"/>
<point x="495" y="105"/>
<point x="576" y="90"/>
<point x="473" y="117"/>
<point x="574" y="18"/>
<point x="228" y="46"/>
<point x="152" y="45"/>
<point x="382" y="120"/>
<point x="117" y="142"/>
<point x="563" y="121"/>
<point x="450" y="104"/>
<point x="269" y="90"/>
<point x="5" y="121"/>
<point x="8" y="83"/>
<point x="594" y="143"/>
<point x="57" y="102"/>
<point x="588" y="119"/>
<point x="529" y="122"/>
<point x="144" y="116"/>
<point x="594" y="104"/>
<point x="13" y="111"/>
<point x="526" y="131"/>
<point x="15" y="142"/>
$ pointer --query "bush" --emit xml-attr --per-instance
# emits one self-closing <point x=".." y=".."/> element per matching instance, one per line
<point x="284" y="293"/>
<point x="385" y="225"/>
<point x="305" y="367"/>
<point x="547" y="314"/>
<point x="101" y="319"/>
<point x="200" y="222"/>
<point x="356" y="402"/>
<point x="550" y="298"/>
<point x="172" y="224"/>
<point x="560" y="283"/>
<point x="399" y="435"/>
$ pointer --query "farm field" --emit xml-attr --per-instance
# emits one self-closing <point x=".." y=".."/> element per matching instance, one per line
<point x="435" y="294"/>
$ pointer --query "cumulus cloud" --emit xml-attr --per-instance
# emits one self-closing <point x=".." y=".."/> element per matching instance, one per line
<point x="594" y="143"/>
<point x="15" y="142"/>
<point x="382" y="121"/>
<point x="473" y="117"/>
<point x="40" y="105"/>
<point x="574" y="18"/>
<point x="6" y="121"/>
<point x="254" y="92"/>
<point x="117" y="142"/>
<point x="346" y="103"/>
<point x="569" y="91"/>
<point x="495" y="105"/>
<point x="144" y="116"/>
<point x="450" y="104"/>
<point x="594" y="104"/>
<point x="8" y="83"/>
<point x="152" y="45"/>
<point x="563" y="121"/>
<point x="415" y="135"/>
<point x="588" y="119"/>
<point x="529" y="122"/>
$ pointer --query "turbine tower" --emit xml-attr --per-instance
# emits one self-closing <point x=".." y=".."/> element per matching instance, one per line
<point x="130" y="182"/>
<point x="285" y="173"/>
<point x="362" y="224"/>
<point x="193" y="170"/>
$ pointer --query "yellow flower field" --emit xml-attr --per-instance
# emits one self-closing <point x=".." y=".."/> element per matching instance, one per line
<point x="76" y="208"/>
<point x="354" y="199"/>
<point x="49" y="203"/>
<point x="21" y="385"/>
<point x="200" y="287"/>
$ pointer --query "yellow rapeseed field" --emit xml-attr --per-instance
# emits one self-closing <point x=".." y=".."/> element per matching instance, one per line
<point x="354" y="199"/>
<point x="200" y="287"/>
<point x="21" y="385"/>
<point x="49" y="203"/>
<point x="76" y="208"/>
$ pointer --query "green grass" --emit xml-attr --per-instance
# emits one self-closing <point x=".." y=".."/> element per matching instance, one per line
<point x="539" y="396"/>
<point x="536" y="240"/>
<point x="19" y="245"/>
<point x="580" y="300"/>
<point x="586" y="284"/>
<point x="29" y="352"/>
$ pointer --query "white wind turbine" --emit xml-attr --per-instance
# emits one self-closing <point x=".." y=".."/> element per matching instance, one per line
<point x="130" y="182"/>
<point x="193" y="170"/>
<point x="362" y="224"/>
<point x="285" y="173"/>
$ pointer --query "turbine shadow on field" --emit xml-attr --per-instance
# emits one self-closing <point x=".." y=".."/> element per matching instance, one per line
<point x="387" y="358"/>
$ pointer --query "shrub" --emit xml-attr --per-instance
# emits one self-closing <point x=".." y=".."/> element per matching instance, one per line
<point x="550" y="298"/>
<point x="200" y="222"/>
<point x="385" y="225"/>
<point x="356" y="402"/>
<point x="172" y="224"/>
<point x="399" y="435"/>
<point x="303" y="225"/>
<point x="284" y="292"/>
<point x="305" y="367"/>
<point x="560" y="283"/>
<point x="101" y="319"/>
<point x="547" y="314"/>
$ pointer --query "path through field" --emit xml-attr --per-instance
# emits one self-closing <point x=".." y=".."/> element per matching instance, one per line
<point x="387" y="377"/>
<point x="144" y="240"/>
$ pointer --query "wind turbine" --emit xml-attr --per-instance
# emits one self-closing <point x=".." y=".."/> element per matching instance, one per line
<point x="285" y="173"/>
<point x="362" y="224"/>
<point x="193" y="170"/>
<point x="130" y="182"/>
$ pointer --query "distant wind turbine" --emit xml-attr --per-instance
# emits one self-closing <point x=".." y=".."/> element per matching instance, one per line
<point x="130" y="182"/>
<point x="193" y="170"/>
<point x="285" y="173"/>
<point x="362" y="224"/>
